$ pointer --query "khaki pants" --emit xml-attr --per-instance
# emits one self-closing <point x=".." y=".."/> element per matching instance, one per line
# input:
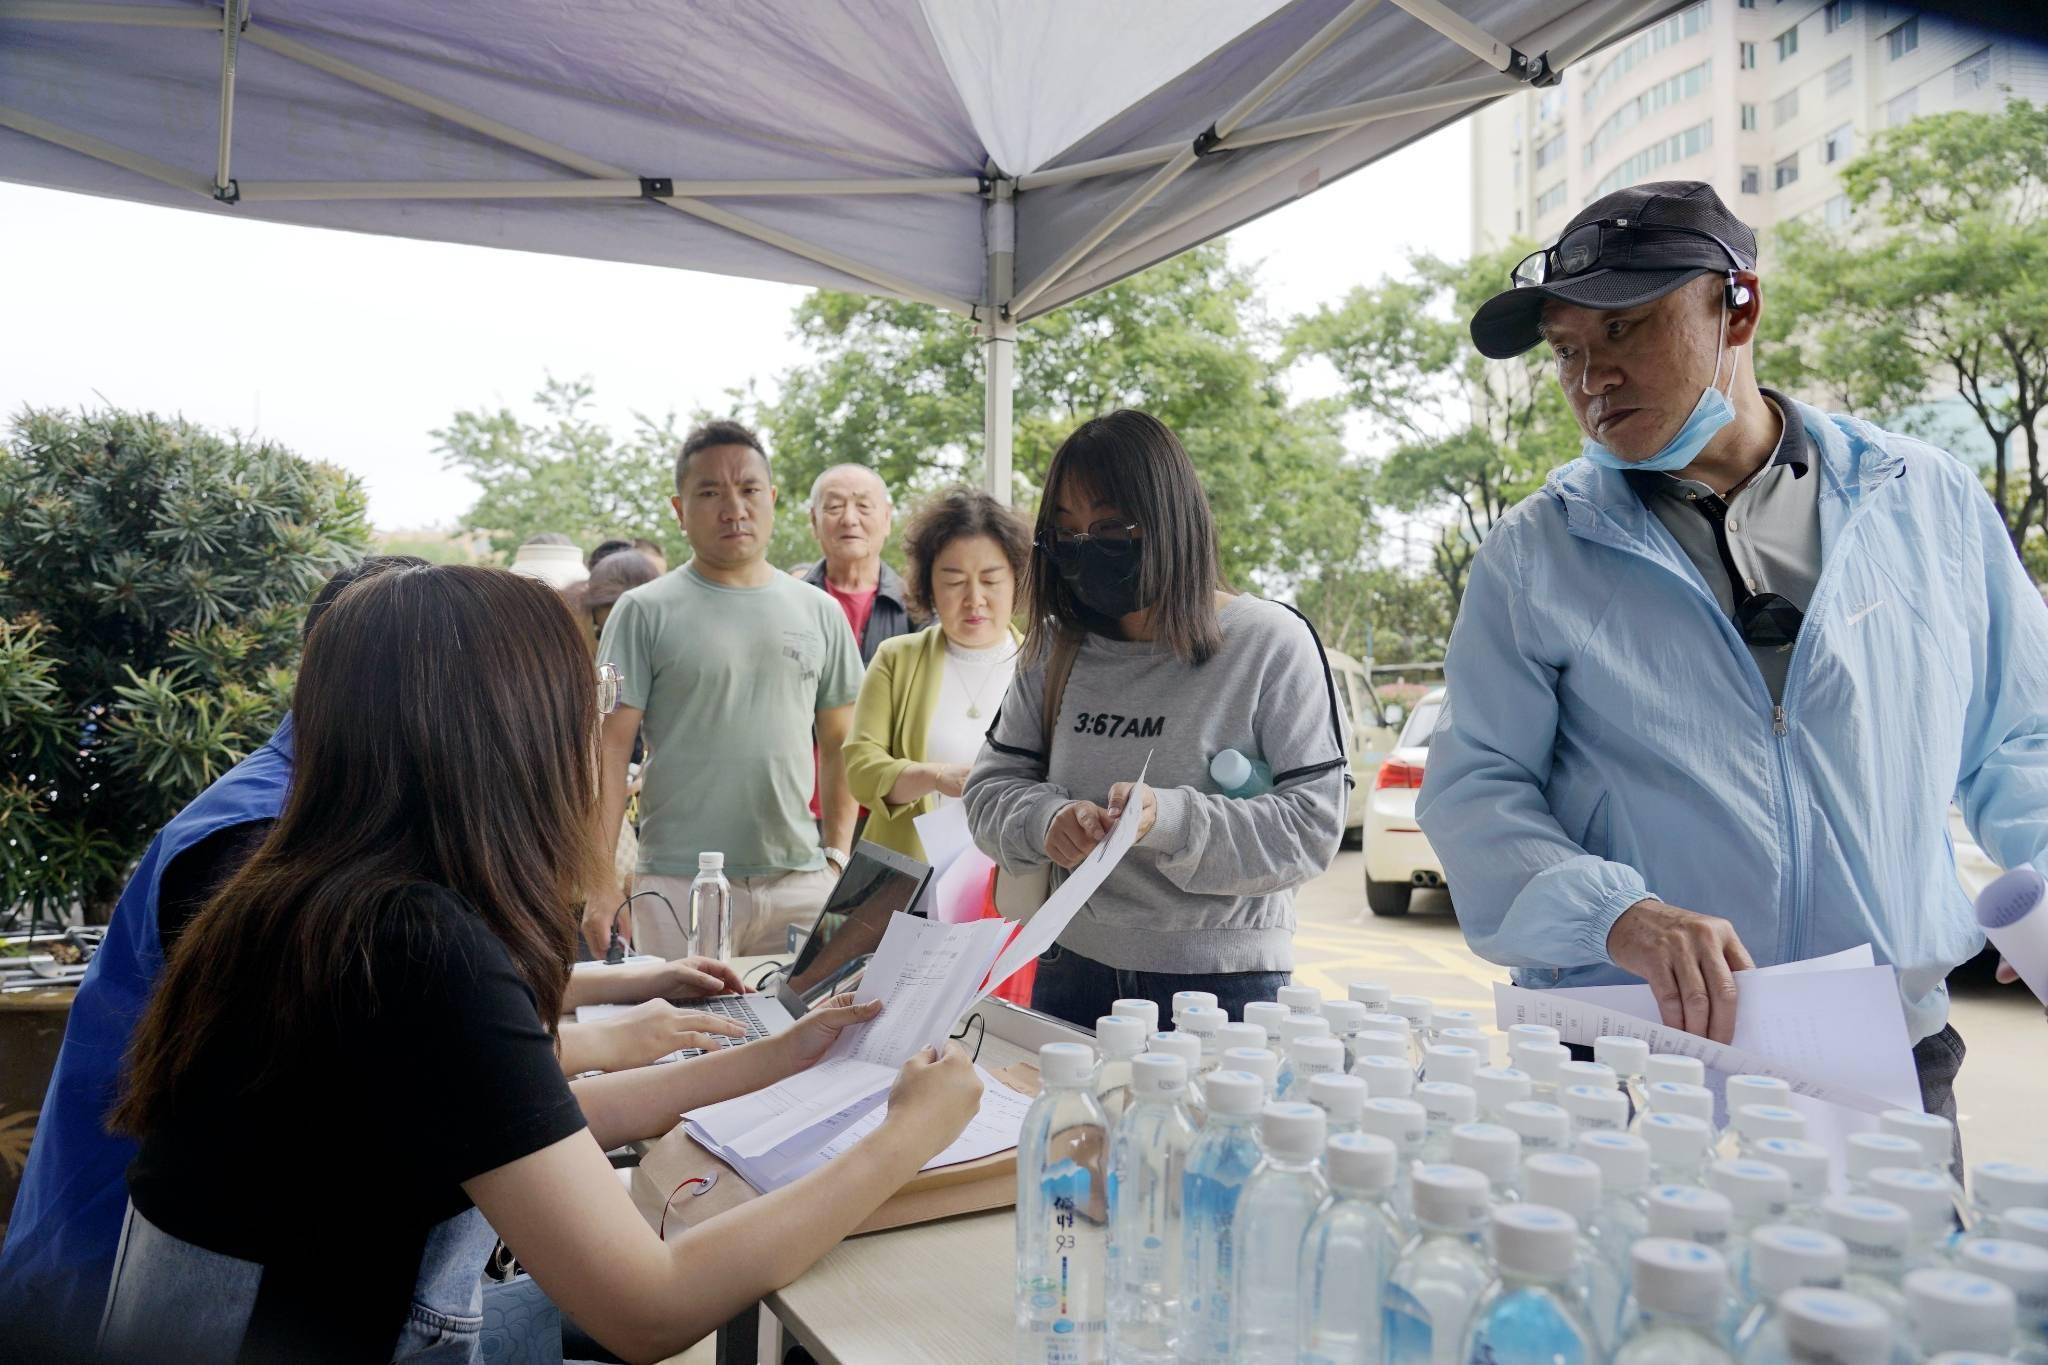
<point x="763" y="908"/>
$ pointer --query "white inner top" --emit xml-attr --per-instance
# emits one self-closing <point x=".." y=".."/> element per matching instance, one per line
<point x="975" y="680"/>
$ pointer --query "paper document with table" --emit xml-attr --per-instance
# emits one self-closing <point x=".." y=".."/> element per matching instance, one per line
<point x="927" y="974"/>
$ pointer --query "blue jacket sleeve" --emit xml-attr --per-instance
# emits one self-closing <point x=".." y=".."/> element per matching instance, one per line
<point x="1527" y="895"/>
<point x="2003" y="783"/>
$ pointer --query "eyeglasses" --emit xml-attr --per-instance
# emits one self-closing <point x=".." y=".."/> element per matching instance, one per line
<point x="1109" y="533"/>
<point x="610" y="684"/>
<point x="1765" y="619"/>
<point x="1579" y="250"/>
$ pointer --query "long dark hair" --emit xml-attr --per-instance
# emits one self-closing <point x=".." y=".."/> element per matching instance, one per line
<point x="445" y="722"/>
<point x="1134" y="460"/>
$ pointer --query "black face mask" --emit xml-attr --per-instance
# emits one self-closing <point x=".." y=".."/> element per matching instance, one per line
<point x="1104" y="577"/>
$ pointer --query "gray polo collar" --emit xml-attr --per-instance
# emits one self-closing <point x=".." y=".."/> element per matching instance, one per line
<point x="1795" y="449"/>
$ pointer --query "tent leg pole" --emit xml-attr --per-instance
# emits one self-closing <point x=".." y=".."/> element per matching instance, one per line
<point x="999" y="362"/>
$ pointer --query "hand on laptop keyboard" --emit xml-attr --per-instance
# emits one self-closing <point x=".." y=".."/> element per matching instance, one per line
<point x="651" y="1031"/>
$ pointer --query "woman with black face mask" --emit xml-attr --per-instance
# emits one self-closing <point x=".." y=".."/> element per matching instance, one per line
<point x="1137" y="650"/>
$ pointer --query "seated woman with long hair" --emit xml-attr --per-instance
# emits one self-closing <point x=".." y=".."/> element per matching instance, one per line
<point x="350" y="1063"/>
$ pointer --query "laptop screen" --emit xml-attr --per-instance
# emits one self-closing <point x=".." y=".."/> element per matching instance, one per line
<point x="877" y="883"/>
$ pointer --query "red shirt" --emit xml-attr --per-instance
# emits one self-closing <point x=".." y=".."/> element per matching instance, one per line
<point x="858" y="606"/>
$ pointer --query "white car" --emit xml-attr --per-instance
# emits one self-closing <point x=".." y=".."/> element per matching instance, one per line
<point x="1398" y="857"/>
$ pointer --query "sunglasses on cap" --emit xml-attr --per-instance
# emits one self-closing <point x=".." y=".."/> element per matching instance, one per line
<point x="1585" y="246"/>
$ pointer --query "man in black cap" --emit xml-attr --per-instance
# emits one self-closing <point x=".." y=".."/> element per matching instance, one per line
<point x="1712" y="690"/>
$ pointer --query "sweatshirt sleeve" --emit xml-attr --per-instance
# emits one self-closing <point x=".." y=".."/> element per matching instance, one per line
<point x="1010" y="805"/>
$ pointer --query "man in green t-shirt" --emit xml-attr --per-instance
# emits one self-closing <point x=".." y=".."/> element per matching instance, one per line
<point x="728" y="665"/>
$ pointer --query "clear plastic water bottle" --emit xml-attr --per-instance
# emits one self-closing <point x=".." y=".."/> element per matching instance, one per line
<point x="1866" y="1153"/>
<point x="1202" y="1022"/>
<point x="1559" y="1180"/>
<point x="1376" y="996"/>
<point x="1626" y="1057"/>
<point x="1239" y="1035"/>
<point x="1493" y="1151"/>
<point x="1954" y="1310"/>
<point x="1620" y="1220"/>
<point x="1741" y="1092"/>
<point x="1500" y="1086"/>
<point x="1225" y="1154"/>
<point x="1679" y="1147"/>
<point x="1754" y="1123"/>
<point x="1781" y="1258"/>
<point x="1531" y="1314"/>
<point x="1120" y="1039"/>
<point x="1811" y="1171"/>
<point x="1439" y="1276"/>
<point x="1403" y="1123"/>
<point x="1677" y="1097"/>
<point x="1445" y="1105"/>
<point x="1378" y="1042"/>
<point x="1935" y="1133"/>
<point x="1342" y="1099"/>
<point x="1541" y="1127"/>
<point x="1759" y="1193"/>
<point x="1147" y="1170"/>
<point x="1293" y="1029"/>
<point x="1680" y="1289"/>
<point x="1876" y="1232"/>
<point x="2027" y="1225"/>
<point x="1532" y="1033"/>
<point x="1062" y="1215"/>
<point x="1595" y="1109"/>
<point x="1281" y="1197"/>
<point x="1260" y="1062"/>
<point x="1997" y="1187"/>
<point x="1451" y="1062"/>
<point x="1822" y="1327"/>
<point x="1587" y="1073"/>
<point x="1347" y="1021"/>
<point x="1267" y="1014"/>
<point x="1390" y="1078"/>
<point x="710" y="916"/>
<point x="1182" y="999"/>
<point x="1389" y="1022"/>
<point x="1544" y="1063"/>
<point x="1420" y="1013"/>
<point x="1927" y="1198"/>
<point x="1688" y="1213"/>
<point x="1236" y="775"/>
<point x="1145" y="1012"/>
<point x="1309" y="1058"/>
<point x="1441" y="1019"/>
<point x="1479" y="1040"/>
<point x="1301" y="1000"/>
<point x="1188" y="1048"/>
<point x="1347" y="1253"/>
<point x="1672" y="1066"/>
<point x="2022" y="1268"/>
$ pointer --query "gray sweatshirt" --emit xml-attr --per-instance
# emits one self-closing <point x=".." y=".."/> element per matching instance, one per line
<point x="1211" y="887"/>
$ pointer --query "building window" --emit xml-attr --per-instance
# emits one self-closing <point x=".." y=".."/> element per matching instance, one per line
<point x="1903" y="39"/>
<point x="1549" y="151"/>
<point x="1745" y="4"/>
<point x="1973" y="72"/>
<point x="1684" y="86"/>
<point x="1838" y="145"/>
<point x="1788" y="42"/>
<point x="1748" y="118"/>
<point x="1840" y="75"/>
<point x="1550" y="200"/>
<point x="1902" y="108"/>
<point x="1752" y="179"/>
<point x="1687" y="22"/>
<point x="1550" y="104"/>
<point x="1785" y="172"/>
<point x="1836" y="212"/>
<point x="1746" y="56"/>
<point x="1836" y="13"/>
<point x="1785" y="108"/>
<point x="1691" y="142"/>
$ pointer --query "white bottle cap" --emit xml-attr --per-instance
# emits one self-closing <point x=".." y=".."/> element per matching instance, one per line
<point x="1230" y="769"/>
<point x="1300" y="999"/>
<point x="1868" y="1227"/>
<point x="1755" y="1122"/>
<point x="1159" y="1076"/>
<point x="1293" y="1132"/>
<point x="1240" y="1035"/>
<point x="1182" y="999"/>
<point x="1066" y="1063"/>
<point x="1540" y="1060"/>
<point x="1298" y="1026"/>
<point x="1441" y="1019"/>
<point x="1541" y="1127"/>
<point x="1869" y="1151"/>
<point x="1500" y="1086"/>
<point x="1670" y="1066"/>
<point x="1562" y="1181"/>
<point x="1969" y="1358"/>
<point x="1827" y="1324"/>
<point x="1385" y="1077"/>
<point x="1391" y="1022"/>
<point x="2019" y="1266"/>
<point x="1588" y="1073"/>
<point x="1450" y="1062"/>
<point x="1233" y="1092"/>
<point x="1267" y="1014"/>
<point x="1345" y="1016"/>
<point x="1401" y="1122"/>
<point x="1379" y="1042"/>
<point x="1628" y="1056"/>
<point x="1535" y="1241"/>
<point x="1478" y="1039"/>
<point x="1623" y="1159"/>
<point x="1416" y="1009"/>
<point x="1755" y="1090"/>
<point x="2002" y="1185"/>
<point x="1341" y="1097"/>
<point x="1596" y="1107"/>
<point x="1202" y="1021"/>
<point x="1690" y="1214"/>
<point x="711" y="862"/>
<point x="1360" y="1163"/>
<point x="1451" y="1197"/>
<point x="1533" y="1033"/>
<point x="1783" y="1257"/>
<point x="1759" y="1191"/>
<point x="1316" y="1056"/>
<point x="1925" y="1196"/>
<point x="1371" y="994"/>
<point x="1675" y="1139"/>
<point x="1808" y="1163"/>
<point x="1677" y="1097"/>
<point x="1488" y="1148"/>
<point x="1120" y="1036"/>
<point x="1145" y="1010"/>
<point x="1954" y="1310"/>
<point x="1259" y="1061"/>
<point x="1185" y="1046"/>
<point x="1935" y="1134"/>
<point x="2025" y="1225"/>
<point x="1447" y="1103"/>
<point x="1681" y="1278"/>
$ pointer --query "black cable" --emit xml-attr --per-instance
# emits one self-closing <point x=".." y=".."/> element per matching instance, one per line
<point x="763" y="972"/>
<point x="615" y="951"/>
<point x="980" y="1036"/>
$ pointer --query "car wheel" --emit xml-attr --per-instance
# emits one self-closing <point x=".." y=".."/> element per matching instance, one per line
<point x="1388" y="900"/>
<point x="1354" y="838"/>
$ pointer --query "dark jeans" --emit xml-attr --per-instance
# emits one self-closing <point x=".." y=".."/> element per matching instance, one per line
<point x="1080" y="990"/>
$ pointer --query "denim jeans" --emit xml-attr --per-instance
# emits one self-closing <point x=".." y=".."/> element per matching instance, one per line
<point x="1080" y="990"/>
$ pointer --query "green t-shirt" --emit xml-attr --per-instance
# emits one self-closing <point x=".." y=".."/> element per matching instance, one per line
<point x="731" y="681"/>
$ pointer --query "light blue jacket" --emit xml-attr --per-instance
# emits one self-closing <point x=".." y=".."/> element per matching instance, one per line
<point x="1609" y="737"/>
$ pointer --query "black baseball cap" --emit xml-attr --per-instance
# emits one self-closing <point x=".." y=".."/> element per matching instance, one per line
<point x="1651" y="239"/>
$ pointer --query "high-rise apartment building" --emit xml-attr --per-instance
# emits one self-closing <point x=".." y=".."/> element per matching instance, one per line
<point x="1764" y="99"/>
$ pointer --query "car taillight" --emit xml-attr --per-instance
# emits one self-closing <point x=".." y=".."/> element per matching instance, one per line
<point x="1394" y="774"/>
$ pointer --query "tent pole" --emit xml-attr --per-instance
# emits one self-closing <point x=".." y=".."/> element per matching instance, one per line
<point x="134" y="16"/>
<point x="999" y="344"/>
<point x="1466" y="34"/>
<point x="232" y="18"/>
<point x="85" y="144"/>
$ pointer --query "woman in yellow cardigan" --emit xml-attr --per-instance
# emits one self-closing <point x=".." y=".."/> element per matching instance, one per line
<point x="929" y="697"/>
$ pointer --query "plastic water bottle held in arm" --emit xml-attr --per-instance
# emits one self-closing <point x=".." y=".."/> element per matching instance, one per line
<point x="1062" y="1215"/>
<point x="1347" y="1252"/>
<point x="1437" y="1281"/>
<point x="1223" y="1158"/>
<point x="1530" y="1315"/>
<point x="710" y="918"/>
<point x="1236" y="775"/>
<point x="1680" y="1291"/>
<point x="1147" y="1169"/>
<point x="1281" y="1197"/>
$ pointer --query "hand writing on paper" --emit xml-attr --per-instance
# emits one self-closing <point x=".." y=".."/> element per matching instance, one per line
<point x="1689" y="961"/>
<point x="1148" y="805"/>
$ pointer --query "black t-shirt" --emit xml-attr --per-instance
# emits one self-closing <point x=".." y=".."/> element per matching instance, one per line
<point x="188" y="882"/>
<point x="330" y="1171"/>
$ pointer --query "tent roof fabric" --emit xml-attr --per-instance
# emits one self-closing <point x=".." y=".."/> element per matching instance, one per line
<point x="853" y="144"/>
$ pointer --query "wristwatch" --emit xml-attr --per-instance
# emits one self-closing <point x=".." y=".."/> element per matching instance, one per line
<point x="836" y="857"/>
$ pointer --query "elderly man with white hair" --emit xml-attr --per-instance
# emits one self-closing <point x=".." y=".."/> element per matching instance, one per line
<point x="850" y="514"/>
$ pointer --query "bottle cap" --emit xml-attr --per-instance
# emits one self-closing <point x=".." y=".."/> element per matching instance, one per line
<point x="1120" y="1036"/>
<point x="1782" y="1258"/>
<point x="1690" y="1214"/>
<point x="1391" y="1022"/>
<point x="1449" y="1062"/>
<point x="711" y="862"/>
<point x="1869" y="1151"/>
<point x="1298" y="1026"/>
<point x="1935" y="1134"/>
<point x="1293" y="1132"/>
<point x="1743" y="1090"/>
<point x="1533" y="1033"/>
<point x="1562" y="1181"/>
<point x="1836" y="1327"/>
<point x="1144" y="1010"/>
<point x="1451" y="1197"/>
<point x="1500" y="1086"/>
<point x="1346" y="1016"/>
<point x="1316" y="1056"/>
<point x="1675" y="1139"/>
<point x="1259" y="1061"/>
<point x="1185" y="1046"/>
<point x="1400" y="1122"/>
<point x="1596" y="1108"/>
<point x="1182" y="999"/>
<point x="2025" y="1225"/>
<point x="1230" y="769"/>
<point x="1677" y="1097"/>
<point x="1416" y="1009"/>
<point x="1954" y="1310"/>
<point x="1926" y="1197"/>
<point x="1300" y="1000"/>
<point x="1267" y="1014"/>
<point x="1341" y="1097"/>
<point x="1360" y="1163"/>
<point x="1371" y="994"/>
<point x="1588" y="1073"/>
<point x="1233" y="1092"/>
<point x="1478" y="1039"/>
<point x="1535" y="1241"/>
<point x="1066" y="1063"/>
<point x="1240" y="1035"/>
<point x="1680" y="1278"/>
<point x="1623" y="1159"/>
<point x="1447" y="1103"/>
<point x="1202" y="1021"/>
<point x="1441" y="1019"/>
<point x="1541" y="1127"/>
<point x="1379" y="1042"/>
<point x="1669" y="1066"/>
<point x="1969" y="1358"/>
<point x="1808" y="1163"/>
<point x="1159" y="1075"/>
<point x="1387" y="1077"/>
<point x="1758" y="1190"/>
<point x="1488" y="1148"/>
<point x="1868" y="1227"/>
<point x="1628" y="1056"/>
<point x="2019" y="1266"/>
<point x="1755" y="1122"/>
<point x="1540" y="1060"/>
<point x="2002" y="1185"/>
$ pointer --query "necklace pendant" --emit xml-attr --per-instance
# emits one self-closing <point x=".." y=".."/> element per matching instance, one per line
<point x="974" y="713"/>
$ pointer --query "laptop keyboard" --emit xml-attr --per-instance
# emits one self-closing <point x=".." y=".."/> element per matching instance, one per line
<point x="735" y="1008"/>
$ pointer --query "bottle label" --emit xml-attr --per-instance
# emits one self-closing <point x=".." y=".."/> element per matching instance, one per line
<point x="1404" y="1328"/>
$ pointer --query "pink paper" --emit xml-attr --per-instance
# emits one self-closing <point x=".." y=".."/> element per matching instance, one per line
<point x="962" y="888"/>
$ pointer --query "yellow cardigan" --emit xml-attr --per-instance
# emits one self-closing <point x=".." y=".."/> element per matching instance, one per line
<point x="890" y="722"/>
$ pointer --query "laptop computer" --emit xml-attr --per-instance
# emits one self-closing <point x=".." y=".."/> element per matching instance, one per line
<point x="876" y="884"/>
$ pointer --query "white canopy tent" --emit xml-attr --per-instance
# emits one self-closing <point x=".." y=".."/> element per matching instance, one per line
<point x="996" y="158"/>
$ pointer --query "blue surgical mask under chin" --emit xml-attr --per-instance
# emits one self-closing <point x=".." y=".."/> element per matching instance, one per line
<point x="1709" y="415"/>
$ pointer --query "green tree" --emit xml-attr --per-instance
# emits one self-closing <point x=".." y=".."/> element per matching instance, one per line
<point x="1940" y="280"/>
<point x="153" y="578"/>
